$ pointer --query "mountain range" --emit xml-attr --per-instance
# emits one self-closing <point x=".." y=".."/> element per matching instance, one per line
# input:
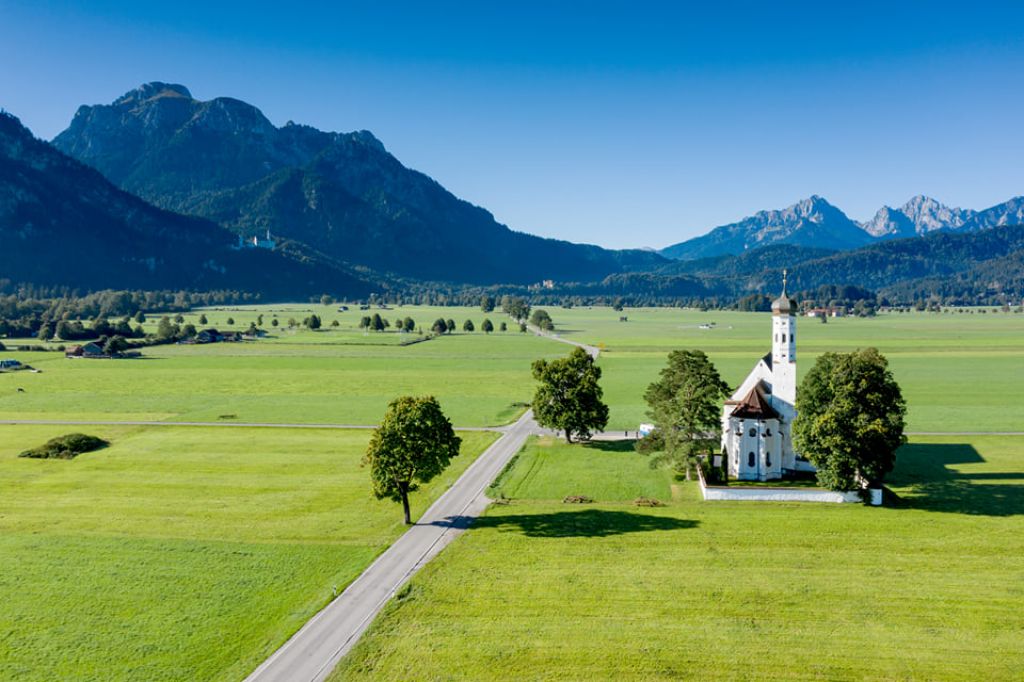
<point x="62" y="223"/>
<point x="814" y="222"/>
<point x="341" y="194"/>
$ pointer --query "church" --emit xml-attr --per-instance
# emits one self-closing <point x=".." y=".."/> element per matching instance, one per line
<point x="756" y="420"/>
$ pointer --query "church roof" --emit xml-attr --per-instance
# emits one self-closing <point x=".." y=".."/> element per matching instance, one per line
<point x="755" y="406"/>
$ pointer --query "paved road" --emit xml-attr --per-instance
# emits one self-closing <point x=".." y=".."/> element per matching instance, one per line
<point x="593" y="350"/>
<point x="267" y="425"/>
<point x="315" y="650"/>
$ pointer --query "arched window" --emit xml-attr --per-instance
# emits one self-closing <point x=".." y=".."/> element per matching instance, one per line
<point x="752" y="432"/>
<point x="768" y="459"/>
<point x="792" y="336"/>
<point x="768" y="432"/>
<point x="750" y="460"/>
<point x="783" y="338"/>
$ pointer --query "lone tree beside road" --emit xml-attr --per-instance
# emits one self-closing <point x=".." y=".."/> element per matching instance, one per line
<point x="850" y="419"/>
<point x="414" y="443"/>
<point x="685" y="407"/>
<point x="542" y="320"/>
<point x="569" y="397"/>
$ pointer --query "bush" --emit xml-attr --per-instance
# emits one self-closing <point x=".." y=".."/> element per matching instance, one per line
<point x="647" y="502"/>
<point x="577" y="499"/>
<point x="66" y="447"/>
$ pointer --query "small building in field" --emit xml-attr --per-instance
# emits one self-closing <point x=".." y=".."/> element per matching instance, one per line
<point x="10" y="365"/>
<point x="209" y="336"/>
<point x="88" y="350"/>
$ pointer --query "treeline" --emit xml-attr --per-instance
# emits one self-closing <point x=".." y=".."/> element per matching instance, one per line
<point x="25" y="310"/>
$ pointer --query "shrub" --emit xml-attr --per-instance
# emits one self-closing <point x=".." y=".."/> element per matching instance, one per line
<point x="647" y="502"/>
<point x="577" y="499"/>
<point x="66" y="447"/>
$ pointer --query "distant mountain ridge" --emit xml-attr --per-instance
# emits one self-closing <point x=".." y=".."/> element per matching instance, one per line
<point x="815" y="223"/>
<point x="64" y="224"/>
<point x="341" y="194"/>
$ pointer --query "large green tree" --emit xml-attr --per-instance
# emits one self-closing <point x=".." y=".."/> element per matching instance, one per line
<point x="569" y="396"/>
<point x="684" y="405"/>
<point x="850" y="419"/>
<point x="414" y="443"/>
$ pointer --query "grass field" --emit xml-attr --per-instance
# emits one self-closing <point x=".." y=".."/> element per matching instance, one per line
<point x="955" y="369"/>
<point x="929" y="589"/>
<point x="305" y="377"/>
<point x="182" y="553"/>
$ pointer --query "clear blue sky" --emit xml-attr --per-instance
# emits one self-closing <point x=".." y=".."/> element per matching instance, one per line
<point x="616" y="123"/>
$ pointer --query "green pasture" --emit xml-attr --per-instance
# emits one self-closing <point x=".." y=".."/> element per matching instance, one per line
<point x="186" y="553"/>
<point x="480" y="380"/>
<point x="927" y="589"/>
<point x="956" y="369"/>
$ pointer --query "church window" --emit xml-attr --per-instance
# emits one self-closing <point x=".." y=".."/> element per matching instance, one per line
<point x="753" y="432"/>
<point x="768" y="459"/>
<point x="750" y="460"/>
<point x="768" y="433"/>
<point x="783" y="338"/>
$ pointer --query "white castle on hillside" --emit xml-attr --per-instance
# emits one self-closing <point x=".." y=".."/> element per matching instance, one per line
<point x="254" y="242"/>
<point x="756" y="420"/>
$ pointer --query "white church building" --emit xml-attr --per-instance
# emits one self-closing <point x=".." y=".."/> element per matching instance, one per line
<point x="757" y="418"/>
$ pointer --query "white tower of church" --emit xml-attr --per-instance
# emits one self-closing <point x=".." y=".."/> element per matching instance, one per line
<point x="783" y="348"/>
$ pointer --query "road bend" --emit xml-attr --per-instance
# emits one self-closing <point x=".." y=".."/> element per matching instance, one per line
<point x="314" y="651"/>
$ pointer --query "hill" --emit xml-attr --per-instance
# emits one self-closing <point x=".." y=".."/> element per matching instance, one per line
<point x="64" y="224"/>
<point x="341" y="194"/>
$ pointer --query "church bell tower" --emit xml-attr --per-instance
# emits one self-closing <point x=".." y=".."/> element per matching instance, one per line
<point x="784" y="347"/>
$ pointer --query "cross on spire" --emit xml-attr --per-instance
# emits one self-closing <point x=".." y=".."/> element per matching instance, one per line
<point x="784" y="274"/>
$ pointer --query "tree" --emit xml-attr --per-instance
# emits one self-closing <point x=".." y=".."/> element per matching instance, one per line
<point x="114" y="345"/>
<point x="230" y="321"/>
<point x="335" y="323"/>
<point x="487" y="327"/>
<point x="188" y="331"/>
<point x="515" y="307"/>
<point x="408" y="324"/>
<point x="542" y="320"/>
<point x="326" y="299"/>
<point x="166" y="330"/>
<point x="377" y="323"/>
<point x="313" y="322"/>
<point x="486" y="303"/>
<point x="273" y="323"/>
<point x="439" y="326"/>
<point x="140" y="317"/>
<point x="503" y="327"/>
<point x="467" y="326"/>
<point x="202" y="319"/>
<point x="364" y="322"/>
<point x="414" y="443"/>
<point x="569" y="397"/>
<point x="450" y="325"/>
<point x="850" y="419"/>
<point x="685" y="407"/>
<point x="179" y="319"/>
<point x="522" y="327"/>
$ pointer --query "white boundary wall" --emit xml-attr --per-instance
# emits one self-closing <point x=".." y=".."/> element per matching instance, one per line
<point x="758" y="494"/>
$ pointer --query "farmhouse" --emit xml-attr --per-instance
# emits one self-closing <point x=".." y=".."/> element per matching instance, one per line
<point x="9" y="365"/>
<point x="86" y="350"/>
<point x="756" y="420"/>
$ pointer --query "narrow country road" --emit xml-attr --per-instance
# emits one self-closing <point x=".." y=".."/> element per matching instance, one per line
<point x="313" y="652"/>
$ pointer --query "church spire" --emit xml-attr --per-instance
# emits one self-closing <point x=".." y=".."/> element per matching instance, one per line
<point x="783" y="304"/>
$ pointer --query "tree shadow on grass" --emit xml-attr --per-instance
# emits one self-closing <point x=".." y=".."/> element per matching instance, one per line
<point x="587" y="523"/>
<point x="934" y="486"/>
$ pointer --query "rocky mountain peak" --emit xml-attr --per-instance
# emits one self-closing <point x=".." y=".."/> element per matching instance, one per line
<point x="153" y="90"/>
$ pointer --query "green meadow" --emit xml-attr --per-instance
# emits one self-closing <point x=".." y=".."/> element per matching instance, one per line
<point x="929" y="588"/>
<point x="955" y="369"/>
<point x="183" y="553"/>
<point x="193" y="552"/>
<point x="342" y="376"/>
